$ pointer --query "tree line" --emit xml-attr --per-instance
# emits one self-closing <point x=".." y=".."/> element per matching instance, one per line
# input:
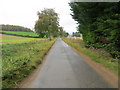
<point x="99" y="24"/>
<point x="15" y="28"/>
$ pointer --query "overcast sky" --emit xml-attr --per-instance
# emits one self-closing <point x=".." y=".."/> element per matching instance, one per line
<point x="24" y="12"/>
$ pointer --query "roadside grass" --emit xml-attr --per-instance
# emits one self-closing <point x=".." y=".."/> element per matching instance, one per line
<point x="20" y="59"/>
<point x="29" y="34"/>
<point x="97" y="55"/>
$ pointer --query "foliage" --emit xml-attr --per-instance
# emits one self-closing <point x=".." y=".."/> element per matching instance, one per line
<point x="20" y="33"/>
<point x="18" y="60"/>
<point x="99" y="23"/>
<point x="47" y="23"/>
<point x="15" y="28"/>
<point x="62" y="33"/>
<point x="76" y="34"/>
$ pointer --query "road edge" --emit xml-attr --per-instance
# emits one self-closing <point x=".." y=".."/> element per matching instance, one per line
<point x="25" y="83"/>
<point x="106" y="73"/>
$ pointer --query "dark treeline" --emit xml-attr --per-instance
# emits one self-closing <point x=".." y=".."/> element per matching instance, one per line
<point x="15" y="28"/>
<point x="99" y="24"/>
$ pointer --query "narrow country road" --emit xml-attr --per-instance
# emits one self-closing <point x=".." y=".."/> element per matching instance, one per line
<point x="64" y="68"/>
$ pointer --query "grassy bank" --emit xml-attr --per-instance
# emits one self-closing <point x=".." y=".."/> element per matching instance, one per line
<point x="97" y="55"/>
<point x="29" y="34"/>
<point x="19" y="59"/>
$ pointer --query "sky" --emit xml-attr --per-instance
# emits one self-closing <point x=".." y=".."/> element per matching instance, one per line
<point x="24" y="12"/>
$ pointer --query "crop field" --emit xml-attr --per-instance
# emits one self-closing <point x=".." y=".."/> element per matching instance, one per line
<point x="20" y="56"/>
<point x="29" y="34"/>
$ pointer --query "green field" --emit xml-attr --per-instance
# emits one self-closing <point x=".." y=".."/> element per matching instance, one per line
<point x="97" y="55"/>
<point x="8" y="39"/>
<point x="20" y="56"/>
<point x="29" y="34"/>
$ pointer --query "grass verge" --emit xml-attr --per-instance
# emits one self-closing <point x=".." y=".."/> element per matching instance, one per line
<point x="97" y="55"/>
<point x="18" y="60"/>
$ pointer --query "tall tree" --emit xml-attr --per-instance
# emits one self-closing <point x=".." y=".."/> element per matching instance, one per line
<point x="99" y="23"/>
<point x="47" y="23"/>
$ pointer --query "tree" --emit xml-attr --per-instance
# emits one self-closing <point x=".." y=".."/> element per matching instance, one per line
<point x="62" y="33"/>
<point x="76" y="34"/>
<point x="99" y="23"/>
<point x="47" y="23"/>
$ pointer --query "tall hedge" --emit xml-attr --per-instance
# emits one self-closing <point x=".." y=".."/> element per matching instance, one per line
<point x="99" y="23"/>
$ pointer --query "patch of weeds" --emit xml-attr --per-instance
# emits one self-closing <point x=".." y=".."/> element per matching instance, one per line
<point x="18" y="60"/>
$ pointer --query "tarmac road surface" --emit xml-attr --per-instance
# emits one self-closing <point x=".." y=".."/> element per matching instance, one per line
<point x="64" y="68"/>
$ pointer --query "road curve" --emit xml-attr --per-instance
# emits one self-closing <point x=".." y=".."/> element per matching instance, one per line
<point x="64" y="68"/>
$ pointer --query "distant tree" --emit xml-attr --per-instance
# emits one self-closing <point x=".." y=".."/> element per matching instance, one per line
<point x="62" y="33"/>
<point x="47" y="23"/>
<point x="76" y="34"/>
<point x="66" y="34"/>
